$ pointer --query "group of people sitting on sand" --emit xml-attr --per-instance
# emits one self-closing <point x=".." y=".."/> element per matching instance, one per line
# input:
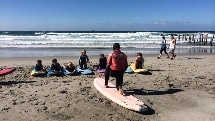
<point x="115" y="65"/>
<point x="70" y="67"/>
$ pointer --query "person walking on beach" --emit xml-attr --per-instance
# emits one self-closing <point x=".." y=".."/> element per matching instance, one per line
<point x="172" y="46"/>
<point x="116" y="66"/>
<point x="163" y="47"/>
<point x="83" y="60"/>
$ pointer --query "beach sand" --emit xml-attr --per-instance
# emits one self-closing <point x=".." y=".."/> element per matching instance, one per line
<point x="178" y="90"/>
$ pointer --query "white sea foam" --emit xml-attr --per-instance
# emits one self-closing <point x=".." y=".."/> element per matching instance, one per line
<point x="89" y="40"/>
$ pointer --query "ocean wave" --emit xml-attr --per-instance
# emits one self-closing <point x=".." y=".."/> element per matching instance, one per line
<point x="89" y="40"/>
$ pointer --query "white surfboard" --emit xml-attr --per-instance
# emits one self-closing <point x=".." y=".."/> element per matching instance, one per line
<point x="127" y="100"/>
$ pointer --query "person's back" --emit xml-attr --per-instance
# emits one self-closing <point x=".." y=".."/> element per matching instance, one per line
<point x="116" y="66"/>
<point x="102" y="62"/>
<point x="117" y="61"/>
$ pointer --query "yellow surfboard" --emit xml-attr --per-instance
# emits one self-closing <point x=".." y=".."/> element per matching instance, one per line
<point x="33" y="73"/>
<point x="138" y="70"/>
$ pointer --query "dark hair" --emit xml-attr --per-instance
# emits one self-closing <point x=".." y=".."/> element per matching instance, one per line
<point x="163" y="37"/>
<point x="172" y="35"/>
<point x="54" y="60"/>
<point x="39" y="61"/>
<point x="102" y="54"/>
<point x="116" y="46"/>
<point x="139" y="54"/>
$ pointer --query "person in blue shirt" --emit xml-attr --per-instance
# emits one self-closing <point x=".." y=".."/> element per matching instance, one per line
<point x="83" y="60"/>
<point x="163" y="47"/>
<point x="39" y="66"/>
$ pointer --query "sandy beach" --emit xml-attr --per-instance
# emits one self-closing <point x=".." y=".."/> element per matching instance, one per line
<point x="175" y="90"/>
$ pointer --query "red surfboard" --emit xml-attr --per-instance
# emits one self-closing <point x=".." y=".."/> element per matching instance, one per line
<point x="6" y="71"/>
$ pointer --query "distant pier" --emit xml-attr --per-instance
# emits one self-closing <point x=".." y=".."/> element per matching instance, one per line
<point x="202" y="38"/>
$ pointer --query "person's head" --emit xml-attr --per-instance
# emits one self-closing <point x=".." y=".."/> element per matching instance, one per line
<point x="139" y="55"/>
<point x="39" y="62"/>
<point x="102" y="55"/>
<point x="163" y="37"/>
<point x="54" y="61"/>
<point x="116" y="46"/>
<point x="83" y="52"/>
<point x="171" y="36"/>
<point x="70" y="64"/>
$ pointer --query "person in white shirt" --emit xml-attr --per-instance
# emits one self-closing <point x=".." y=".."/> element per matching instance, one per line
<point x="172" y="46"/>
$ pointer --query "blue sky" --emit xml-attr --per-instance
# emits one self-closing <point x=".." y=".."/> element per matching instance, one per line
<point x="107" y="15"/>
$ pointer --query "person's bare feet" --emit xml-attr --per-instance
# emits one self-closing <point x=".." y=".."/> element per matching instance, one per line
<point x="121" y="91"/>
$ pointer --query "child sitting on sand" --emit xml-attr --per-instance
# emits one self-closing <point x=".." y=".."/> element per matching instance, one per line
<point x="102" y="62"/>
<point x="55" y="66"/>
<point x="83" y="60"/>
<point x="139" y="62"/>
<point x="39" y="66"/>
<point x="70" y="68"/>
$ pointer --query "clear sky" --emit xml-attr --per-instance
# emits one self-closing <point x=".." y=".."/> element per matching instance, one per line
<point x="107" y="15"/>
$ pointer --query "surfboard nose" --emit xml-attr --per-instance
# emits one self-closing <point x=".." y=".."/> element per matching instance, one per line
<point x="143" y="108"/>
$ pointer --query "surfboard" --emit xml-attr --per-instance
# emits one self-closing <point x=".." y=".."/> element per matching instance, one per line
<point x="138" y="70"/>
<point x="55" y="73"/>
<point x="6" y="71"/>
<point x="85" y="71"/>
<point x="129" y="70"/>
<point x="100" y="70"/>
<point x="35" y="73"/>
<point x="127" y="100"/>
<point x="70" y="73"/>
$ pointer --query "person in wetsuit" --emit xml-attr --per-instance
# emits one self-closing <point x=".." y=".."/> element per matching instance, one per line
<point x="55" y="66"/>
<point x="83" y="59"/>
<point x="139" y="62"/>
<point x="39" y="66"/>
<point x="102" y="62"/>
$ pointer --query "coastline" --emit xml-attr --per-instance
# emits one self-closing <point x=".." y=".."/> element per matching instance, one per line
<point x="182" y="89"/>
<point x="51" y="52"/>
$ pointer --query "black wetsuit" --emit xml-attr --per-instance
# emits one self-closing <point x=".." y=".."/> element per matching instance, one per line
<point x="102" y="63"/>
<point x="139" y="63"/>
<point x="83" y="61"/>
<point x="38" y="68"/>
<point x="56" y="67"/>
<point x="70" y="69"/>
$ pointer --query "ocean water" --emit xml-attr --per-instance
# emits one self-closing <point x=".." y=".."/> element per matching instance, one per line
<point x="70" y="43"/>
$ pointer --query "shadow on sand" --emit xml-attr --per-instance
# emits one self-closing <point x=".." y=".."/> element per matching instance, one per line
<point x="151" y="111"/>
<point x="15" y="82"/>
<point x="156" y="70"/>
<point x="152" y="92"/>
